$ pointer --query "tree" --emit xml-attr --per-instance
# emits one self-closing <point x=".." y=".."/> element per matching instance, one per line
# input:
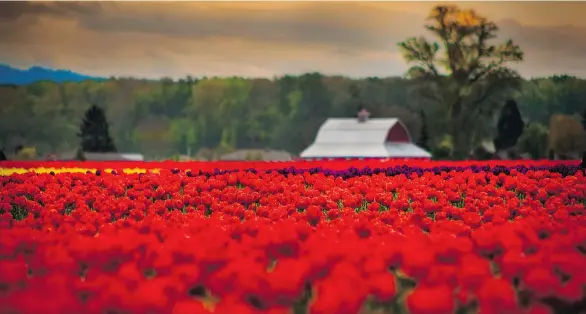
<point x="147" y="115"/>
<point x="509" y="127"/>
<point x="566" y="135"/>
<point x="550" y="154"/>
<point x="355" y="103"/>
<point x="18" y="148"/>
<point x="423" y="136"/>
<point x="94" y="132"/>
<point x="534" y="141"/>
<point x="584" y="120"/>
<point x="79" y="155"/>
<point x="467" y="75"/>
<point x="183" y="135"/>
<point x="583" y="164"/>
<point x="26" y="153"/>
<point x="443" y="149"/>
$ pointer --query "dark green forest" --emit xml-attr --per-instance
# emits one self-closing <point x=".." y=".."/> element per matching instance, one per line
<point x="163" y="118"/>
<point x="460" y="82"/>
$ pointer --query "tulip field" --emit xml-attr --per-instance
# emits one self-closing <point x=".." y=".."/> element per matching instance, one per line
<point x="332" y="237"/>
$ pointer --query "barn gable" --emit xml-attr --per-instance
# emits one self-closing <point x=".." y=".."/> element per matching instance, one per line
<point x="358" y="138"/>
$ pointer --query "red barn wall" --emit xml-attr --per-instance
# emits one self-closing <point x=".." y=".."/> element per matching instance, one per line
<point x="398" y="134"/>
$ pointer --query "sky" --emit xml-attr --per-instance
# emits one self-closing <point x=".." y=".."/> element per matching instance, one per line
<point x="266" y="39"/>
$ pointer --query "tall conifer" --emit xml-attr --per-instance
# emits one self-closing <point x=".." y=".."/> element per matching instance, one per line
<point x="94" y="132"/>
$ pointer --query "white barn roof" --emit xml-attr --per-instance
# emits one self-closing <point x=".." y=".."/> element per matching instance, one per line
<point x="349" y="138"/>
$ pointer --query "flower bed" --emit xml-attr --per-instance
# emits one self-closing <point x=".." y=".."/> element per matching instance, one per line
<point x="199" y="238"/>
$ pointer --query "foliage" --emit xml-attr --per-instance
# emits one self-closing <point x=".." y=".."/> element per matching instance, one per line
<point x="480" y="153"/>
<point x="424" y="135"/>
<point x="182" y="132"/>
<point x="463" y="72"/>
<point x="94" y="132"/>
<point x="566" y="135"/>
<point x="534" y="140"/>
<point x="26" y="153"/>
<point x="540" y="98"/>
<point x="162" y="118"/>
<point x="550" y="154"/>
<point x="509" y="127"/>
<point x="443" y="149"/>
<point x="79" y="155"/>
<point x="18" y="148"/>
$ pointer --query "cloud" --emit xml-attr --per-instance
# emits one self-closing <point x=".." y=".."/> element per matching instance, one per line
<point x="567" y="40"/>
<point x="12" y="10"/>
<point x="350" y="26"/>
<point x="154" y="39"/>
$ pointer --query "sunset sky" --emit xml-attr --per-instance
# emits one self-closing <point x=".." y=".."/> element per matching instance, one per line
<point x="264" y="39"/>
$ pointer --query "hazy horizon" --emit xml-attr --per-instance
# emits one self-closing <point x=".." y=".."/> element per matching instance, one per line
<point x="266" y="39"/>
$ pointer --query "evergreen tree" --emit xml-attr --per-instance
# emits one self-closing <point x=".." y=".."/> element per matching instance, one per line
<point x="94" y="132"/>
<point x="424" y="136"/>
<point x="510" y="126"/>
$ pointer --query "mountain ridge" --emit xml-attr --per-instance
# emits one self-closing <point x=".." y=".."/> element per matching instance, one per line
<point x="16" y="76"/>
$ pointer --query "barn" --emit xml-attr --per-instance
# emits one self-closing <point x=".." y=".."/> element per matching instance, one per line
<point x="363" y="138"/>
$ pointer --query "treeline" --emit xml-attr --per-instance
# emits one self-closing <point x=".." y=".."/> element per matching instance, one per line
<point x="215" y="115"/>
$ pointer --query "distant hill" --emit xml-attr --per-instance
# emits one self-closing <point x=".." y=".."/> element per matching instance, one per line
<point x="10" y="75"/>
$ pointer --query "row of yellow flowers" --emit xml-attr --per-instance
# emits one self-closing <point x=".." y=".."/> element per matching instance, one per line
<point x="9" y="171"/>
